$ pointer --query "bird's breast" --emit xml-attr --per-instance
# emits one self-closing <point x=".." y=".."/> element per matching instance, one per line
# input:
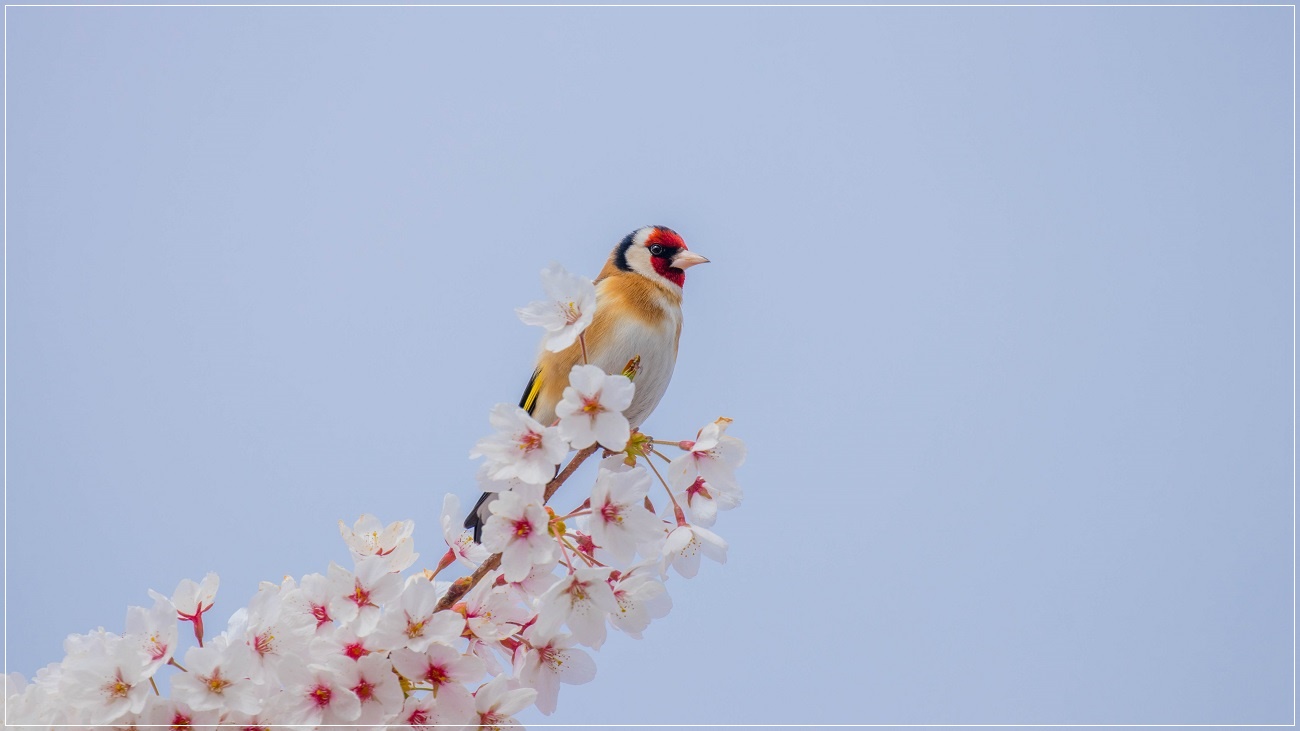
<point x="633" y="319"/>
<point x="656" y="345"/>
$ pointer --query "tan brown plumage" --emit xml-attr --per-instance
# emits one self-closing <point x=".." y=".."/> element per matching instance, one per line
<point x="621" y="298"/>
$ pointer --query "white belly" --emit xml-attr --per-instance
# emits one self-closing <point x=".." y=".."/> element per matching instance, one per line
<point x="658" y="350"/>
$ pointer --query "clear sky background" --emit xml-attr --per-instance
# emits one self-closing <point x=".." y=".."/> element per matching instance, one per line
<point x="1001" y="301"/>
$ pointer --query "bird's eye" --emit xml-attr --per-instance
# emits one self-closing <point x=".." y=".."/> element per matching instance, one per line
<point x="656" y="250"/>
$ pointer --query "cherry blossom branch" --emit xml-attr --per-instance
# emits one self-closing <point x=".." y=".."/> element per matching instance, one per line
<point x="568" y="471"/>
<point x="462" y="586"/>
<point x="369" y="645"/>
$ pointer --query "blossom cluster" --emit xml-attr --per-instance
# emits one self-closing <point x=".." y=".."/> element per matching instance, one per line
<point x="381" y="644"/>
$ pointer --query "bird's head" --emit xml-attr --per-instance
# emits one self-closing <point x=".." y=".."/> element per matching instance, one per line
<point x="657" y="253"/>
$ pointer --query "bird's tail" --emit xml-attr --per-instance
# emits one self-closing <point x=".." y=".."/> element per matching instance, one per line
<point x="478" y="515"/>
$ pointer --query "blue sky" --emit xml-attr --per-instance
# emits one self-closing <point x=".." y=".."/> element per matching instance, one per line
<point x="1001" y="301"/>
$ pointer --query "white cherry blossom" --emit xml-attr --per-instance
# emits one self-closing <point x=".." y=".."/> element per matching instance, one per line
<point x="641" y="597"/>
<point x="499" y="700"/>
<point x="106" y="681"/>
<point x="154" y="632"/>
<point x="357" y="598"/>
<point x="713" y="456"/>
<point x="550" y="660"/>
<point x="619" y="520"/>
<point x="372" y="681"/>
<point x="687" y="542"/>
<point x="460" y="542"/>
<point x="567" y="311"/>
<point x="411" y="621"/>
<point x="339" y="642"/>
<point x="277" y="625"/>
<point x="315" y="694"/>
<point x="582" y="600"/>
<point x="539" y="579"/>
<point x="518" y="531"/>
<point x="193" y="600"/>
<point x="490" y="615"/>
<point x="367" y="647"/>
<point x="370" y="537"/>
<point x="520" y="448"/>
<point x="171" y="713"/>
<point x="217" y="678"/>
<point x="445" y="670"/>
<point x="591" y="410"/>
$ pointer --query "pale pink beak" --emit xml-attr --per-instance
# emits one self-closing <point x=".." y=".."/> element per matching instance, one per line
<point x="687" y="259"/>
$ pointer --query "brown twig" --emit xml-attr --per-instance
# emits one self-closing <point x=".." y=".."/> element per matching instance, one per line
<point x="569" y="469"/>
<point x="464" y="584"/>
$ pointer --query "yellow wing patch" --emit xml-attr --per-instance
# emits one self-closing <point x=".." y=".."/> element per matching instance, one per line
<point x="632" y="368"/>
<point x="534" y="387"/>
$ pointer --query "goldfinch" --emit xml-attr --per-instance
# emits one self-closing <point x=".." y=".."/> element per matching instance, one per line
<point x="638" y="319"/>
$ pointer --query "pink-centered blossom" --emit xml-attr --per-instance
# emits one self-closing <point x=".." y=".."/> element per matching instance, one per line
<point x="520" y="447"/>
<point x="357" y="598"/>
<point x="438" y="666"/>
<point x="105" y="680"/>
<point x="700" y="502"/>
<point x="518" y="530"/>
<point x="370" y="537"/>
<point x="567" y="310"/>
<point x="641" y="597"/>
<point x="619" y="520"/>
<point x="687" y="542"/>
<point x="582" y="600"/>
<point x="217" y="679"/>
<point x="490" y="613"/>
<point x="170" y="713"/>
<point x="497" y="701"/>
<point x="423" y="711"/>
<point x="193" y="600"/>
<point x="311" y="602"/>
<point x="706" y="473"/>
<point x="339" y="642"/>
<point x="412" y="622"/>
<point x="154" y="632"/>
<point x="419" y="711"/>
<point x="278" y="624"/>
<point x="372" y="681"/>
<point x="551" y="659"/>
<point x="315" y="694"/>
<point x="591" y="410"/>
<point x="446" y="671"/>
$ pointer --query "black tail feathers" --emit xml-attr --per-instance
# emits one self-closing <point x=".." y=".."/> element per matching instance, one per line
<point x="474" y="521"/>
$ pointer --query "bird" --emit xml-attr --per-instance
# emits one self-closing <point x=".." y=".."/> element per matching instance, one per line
<point x="638" y="320"/>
